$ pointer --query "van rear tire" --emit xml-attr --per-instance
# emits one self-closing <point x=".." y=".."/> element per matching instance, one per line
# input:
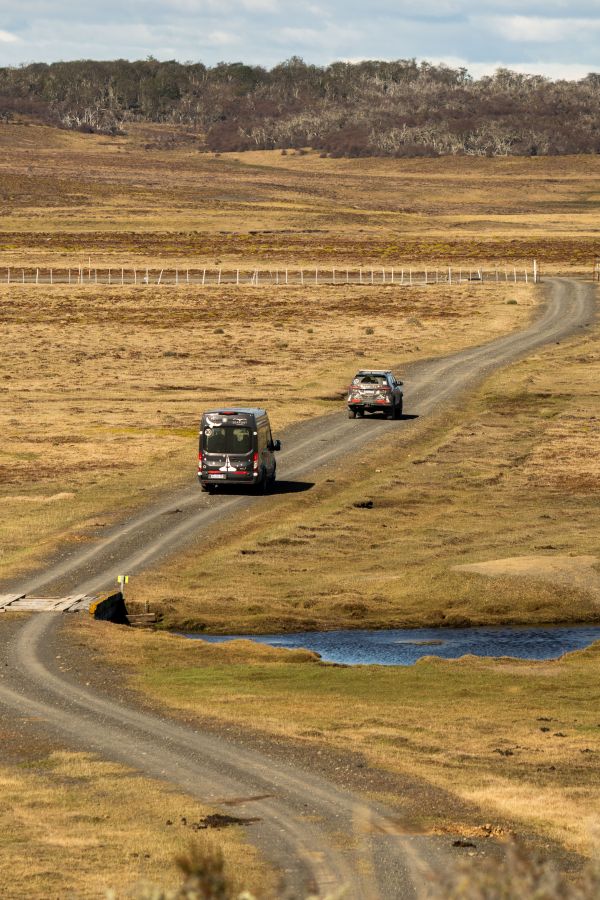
<point x="208" y="488"/>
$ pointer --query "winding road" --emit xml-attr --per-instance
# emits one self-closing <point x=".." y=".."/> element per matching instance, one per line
<point x="299" y="815"/>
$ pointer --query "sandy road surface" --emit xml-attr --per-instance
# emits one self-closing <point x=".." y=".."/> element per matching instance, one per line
<point x="298" y="813"/>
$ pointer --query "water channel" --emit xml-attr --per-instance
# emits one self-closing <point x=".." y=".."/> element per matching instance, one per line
<point x="403" y="646"/>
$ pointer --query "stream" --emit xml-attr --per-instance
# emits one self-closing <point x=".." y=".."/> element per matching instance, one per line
<point x="404" y="646"/>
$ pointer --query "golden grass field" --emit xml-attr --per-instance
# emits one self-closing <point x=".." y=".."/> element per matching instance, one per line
<point x="67" y="196"/>
<point x="102" y="390"/>
<point x="101" y="393"/>
<point x="67" y="830"/>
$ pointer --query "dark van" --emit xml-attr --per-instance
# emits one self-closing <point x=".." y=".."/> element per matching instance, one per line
<point x="236" y="447"/>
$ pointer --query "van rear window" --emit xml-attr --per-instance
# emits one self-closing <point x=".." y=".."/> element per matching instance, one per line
<point x="227" y="439"/>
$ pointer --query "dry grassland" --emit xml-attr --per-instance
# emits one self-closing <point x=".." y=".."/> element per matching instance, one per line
<point x="74" y="826"/>
<point x="101" y="390"/>
<point x="66" y="195"/>
<point x="514" y="473"/>
<point x="518" y="740"/>
<point x="101" y="393"/>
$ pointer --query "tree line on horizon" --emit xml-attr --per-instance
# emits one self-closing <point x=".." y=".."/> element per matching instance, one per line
<point x="371" y="108"/>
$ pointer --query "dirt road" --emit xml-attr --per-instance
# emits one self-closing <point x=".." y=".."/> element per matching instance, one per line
<point x="298" y="812"/>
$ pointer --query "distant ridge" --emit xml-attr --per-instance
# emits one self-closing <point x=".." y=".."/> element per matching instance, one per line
<point x="371" y="108"/>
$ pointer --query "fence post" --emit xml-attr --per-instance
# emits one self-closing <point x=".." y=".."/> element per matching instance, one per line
<point x="410" y="276"/>
<point x="135" y="276"/>
<point x="23" y="271"/>
<point x="237" y="276"/>
<point x="160" y="276"/>
<point x="316" y="276"/>
<point x="449" y="275"/>
<point x="347" y="277"/>
<point x="219" y="277"/>
<point x="392" y="276"/>
<point x="360" y="275"/>
<point x="37" y="276"/>
<point x="333" y="275"/>
<point x="122" y="275"/>
<point x="515" y="274"/>
<point x="187" y="276"/>
<point x="51" y="277"/>
<point x="177" y="276"/>
<point x="535" y="272"/>
<point x="372" y="276"/>
<point x="426" y="277"/>
<point x="302" y="276"/>
<point x="109" y="276"/>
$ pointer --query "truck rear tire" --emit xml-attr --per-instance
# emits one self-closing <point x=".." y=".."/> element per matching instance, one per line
<point x="351" y="414"/>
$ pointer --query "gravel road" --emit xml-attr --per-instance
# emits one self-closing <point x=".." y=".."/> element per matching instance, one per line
<point x="300" y="816"/>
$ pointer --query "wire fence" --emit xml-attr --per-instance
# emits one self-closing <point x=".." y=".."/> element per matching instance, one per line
<point x="371" y="276"/>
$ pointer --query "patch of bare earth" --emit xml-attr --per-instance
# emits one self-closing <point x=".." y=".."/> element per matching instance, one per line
<point x="580" y="572"/>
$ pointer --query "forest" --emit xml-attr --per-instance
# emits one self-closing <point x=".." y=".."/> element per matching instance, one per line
<point x="372" y="108"/>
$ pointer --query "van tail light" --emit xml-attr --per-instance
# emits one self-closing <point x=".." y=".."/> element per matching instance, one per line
<point x="199" y="461"/>
<point x="255" y="462"/>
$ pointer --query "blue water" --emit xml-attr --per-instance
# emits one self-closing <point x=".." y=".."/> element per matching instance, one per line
<point x="404" y="646"/>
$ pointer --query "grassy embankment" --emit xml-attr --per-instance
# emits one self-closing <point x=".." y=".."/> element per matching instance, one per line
<point x="513" y="473"/>
<point x="515" y="743"/>
<point x="75" y="826"/>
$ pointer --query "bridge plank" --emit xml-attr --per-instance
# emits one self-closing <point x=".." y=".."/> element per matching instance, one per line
<point x="7" y="599"/>
<point x="65" y="603"/>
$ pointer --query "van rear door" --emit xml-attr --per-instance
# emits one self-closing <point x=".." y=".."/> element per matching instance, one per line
<point x="228" y="451"/>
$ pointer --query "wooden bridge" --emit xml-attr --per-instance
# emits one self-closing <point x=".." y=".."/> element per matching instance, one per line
<point x="24" y="603"/>
<point x="110" y="607"/>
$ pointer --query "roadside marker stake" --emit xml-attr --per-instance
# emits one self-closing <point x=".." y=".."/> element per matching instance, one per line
<point x="123" y="580"/>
